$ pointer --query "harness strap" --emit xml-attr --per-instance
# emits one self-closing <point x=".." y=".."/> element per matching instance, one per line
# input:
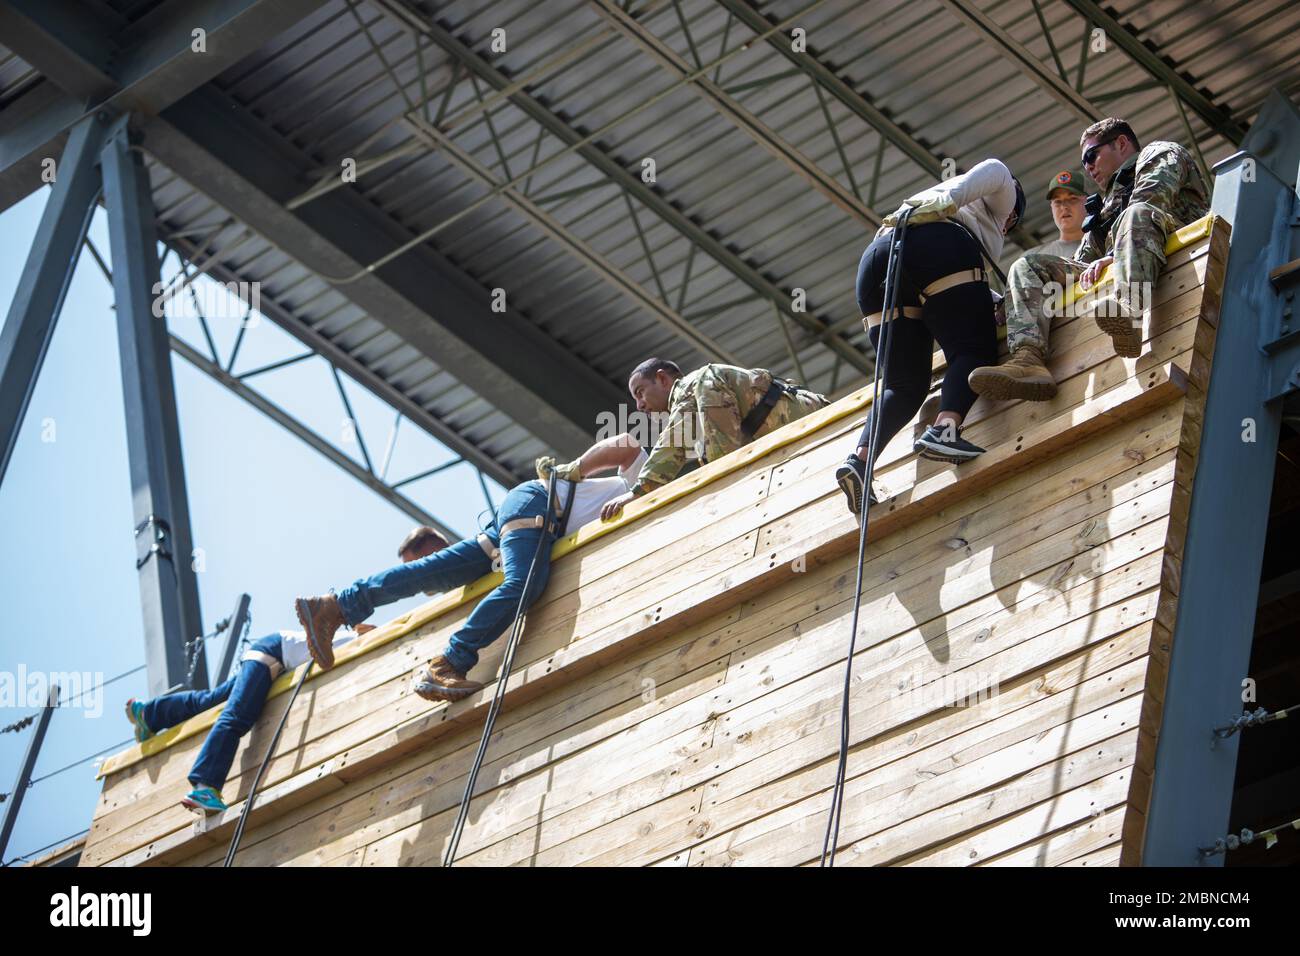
<point x="488" y="547"/>
<point x="752" y="422"/>
<point x="269" y="660"/>
<point x="951" y="281"/>
<point x="869" y="322"/>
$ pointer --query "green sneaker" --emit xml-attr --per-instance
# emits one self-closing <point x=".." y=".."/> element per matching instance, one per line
<point x="205" y="799"/>
<point x="135" y="714"/>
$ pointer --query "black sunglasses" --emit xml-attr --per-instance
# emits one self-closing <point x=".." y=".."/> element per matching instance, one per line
<point x="1091" y="152"/>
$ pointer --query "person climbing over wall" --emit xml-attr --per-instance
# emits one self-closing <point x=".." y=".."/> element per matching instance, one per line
<point x="710" y="412"/>
<point x="508" y="544"/>
<point x="1148" y="192"/>
<point x="244" y="695"/>
<point x="943" y="295"/>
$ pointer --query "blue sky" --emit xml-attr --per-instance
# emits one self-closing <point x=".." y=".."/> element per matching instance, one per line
<point x="273" y="517"/>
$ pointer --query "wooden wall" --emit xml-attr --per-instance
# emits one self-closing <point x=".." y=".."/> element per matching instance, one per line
<point x="676" y="699"/>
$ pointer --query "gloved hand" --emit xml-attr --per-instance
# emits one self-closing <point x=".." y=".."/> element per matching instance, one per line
<point x="569" y="471"/>
<point x="932" y="209"/>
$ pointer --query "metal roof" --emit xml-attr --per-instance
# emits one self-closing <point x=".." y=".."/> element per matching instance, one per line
<point x="770" y="173"/>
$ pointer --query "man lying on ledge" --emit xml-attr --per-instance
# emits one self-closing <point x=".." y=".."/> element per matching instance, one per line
<point x="244" y="694"/>
<point x="507" y="544"/>
<point x="1149" y="193"/>
<point x="712" y="411"/>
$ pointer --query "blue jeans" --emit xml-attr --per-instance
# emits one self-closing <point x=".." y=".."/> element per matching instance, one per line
<point x="460" y="564"/>
<point x="244" y="695"/>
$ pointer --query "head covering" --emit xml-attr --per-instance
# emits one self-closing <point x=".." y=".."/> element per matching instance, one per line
<point x="1020" y="200"/>
<point x="1067" y="179"/>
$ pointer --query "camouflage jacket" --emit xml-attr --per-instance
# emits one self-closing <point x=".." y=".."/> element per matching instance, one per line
<point x="722" y="393"/>
<point x="1167" y="177"/>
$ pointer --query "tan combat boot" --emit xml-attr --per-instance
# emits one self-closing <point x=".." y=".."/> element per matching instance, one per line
<point x="1114" y="317"/>
<point x="1024" y="375"/>
<point x="439" y="680"/>
<point x="320" y="617"/>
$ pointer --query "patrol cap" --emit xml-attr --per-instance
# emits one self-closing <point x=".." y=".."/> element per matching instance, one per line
<point x="1067" y="179"/>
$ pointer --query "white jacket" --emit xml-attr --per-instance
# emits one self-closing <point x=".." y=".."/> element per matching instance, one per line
<point x="984" y="196"/>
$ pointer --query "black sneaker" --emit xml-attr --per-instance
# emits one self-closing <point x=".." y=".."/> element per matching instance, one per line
<point x="851" y="476"/>
<point x="932" y="445"/>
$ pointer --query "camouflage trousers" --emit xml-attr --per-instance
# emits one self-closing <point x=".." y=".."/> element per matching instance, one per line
<point x="720" y="418"/>
<point x="1037" y="281"/>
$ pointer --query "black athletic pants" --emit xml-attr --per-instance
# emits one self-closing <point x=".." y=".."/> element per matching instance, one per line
<point x="959" y="318"/>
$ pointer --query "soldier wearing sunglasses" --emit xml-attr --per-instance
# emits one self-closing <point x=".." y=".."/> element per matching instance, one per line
<point x="1147" y="193"/>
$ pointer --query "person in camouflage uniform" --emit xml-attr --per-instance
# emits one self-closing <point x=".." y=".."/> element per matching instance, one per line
<point x="1149" y="192"/>
<point x="706" y="411"/>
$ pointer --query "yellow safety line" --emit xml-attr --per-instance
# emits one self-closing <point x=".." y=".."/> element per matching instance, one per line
<point x="414" y="620"/>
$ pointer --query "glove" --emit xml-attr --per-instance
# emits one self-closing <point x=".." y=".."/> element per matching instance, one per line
<point x="569" y="471"/>
<point x="929" y="209"/>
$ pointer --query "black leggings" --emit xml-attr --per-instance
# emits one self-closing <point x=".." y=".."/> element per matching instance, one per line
<point x="960" y="318"/>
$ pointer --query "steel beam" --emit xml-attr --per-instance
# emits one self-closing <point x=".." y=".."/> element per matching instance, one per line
<point x="426" y="300"/>
<point x="93" y="59"/>
<point x="1028" y="64"/>
<point x="237" y="622"/>
<point x="51" y="260"/>
<point x="168" y="589"/>
<point x="1215" y="116"/>
<point x="385" y="390"/>
<point x="635" y="29"/>
<point x="855" y="102"/>
<point x="25" y="769"/>
<point x="310" y="437"/>
<point x="1194" y="773"/>
<point x="617" y="172"/>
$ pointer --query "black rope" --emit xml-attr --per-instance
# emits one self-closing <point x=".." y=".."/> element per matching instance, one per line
<point x="257" y="780"/>
<point x="507" y="662"/>
<point x="893" y="266"/>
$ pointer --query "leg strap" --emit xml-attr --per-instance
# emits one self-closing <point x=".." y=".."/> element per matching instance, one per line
<point x="869" y="322"/>
<point x="954" y="279"/>
<point x="491" y="550"/>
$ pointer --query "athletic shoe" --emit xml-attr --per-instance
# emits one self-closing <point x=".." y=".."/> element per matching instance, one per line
<point x="851" y="476"/>
<point x="934" y="445"/>
<point x="205" y="799"/>
<point x="135" y="714"/>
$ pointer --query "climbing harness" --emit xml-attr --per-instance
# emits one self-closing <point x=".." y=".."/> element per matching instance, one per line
<point x="893" y="269"/>
<point x="557" y="527"/>
<point x="752" y="422"/>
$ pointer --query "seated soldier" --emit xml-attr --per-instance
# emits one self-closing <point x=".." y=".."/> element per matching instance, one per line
<point x="508" y="544"/>
<point x="712" y="411"/>
<point x="1148" y="193"/>
<point x="244" y="694"/>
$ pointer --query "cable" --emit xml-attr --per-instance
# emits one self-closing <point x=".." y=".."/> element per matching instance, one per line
<point x="257" y="780"/>
<point x="893" y="266"/>
<point x="49" y="846"/>
<point x="72" y="700"/>
<point x="78" y="763"/>
<point x="507" y="662"/>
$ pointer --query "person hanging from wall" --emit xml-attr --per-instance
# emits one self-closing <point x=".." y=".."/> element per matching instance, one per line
<point x="943" y="295"/>
<point x="1148" y="192"/>
<point x="507" y="544"/>
<point x="244" y="695"/>
<point x="710" y="412"/>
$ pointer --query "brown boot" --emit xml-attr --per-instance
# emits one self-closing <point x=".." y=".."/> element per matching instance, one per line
<point x="1023" y="376"/>
<point x="438" y="680"/>
<point x="1114" y="317"/>
<point x="320" y="617"/>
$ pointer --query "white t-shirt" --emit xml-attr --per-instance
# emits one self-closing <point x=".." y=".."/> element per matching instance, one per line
<point x="591" y="494"/>
<point x="985" y="196"/>
<point x="1058" y="247"/>
<point x="293" y="646"/>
